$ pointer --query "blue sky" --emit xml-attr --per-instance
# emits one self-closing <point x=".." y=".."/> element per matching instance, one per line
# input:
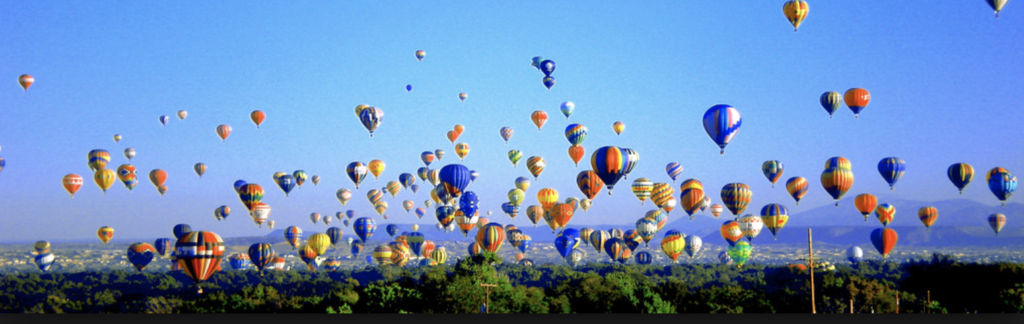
<point x="944" y="79"/>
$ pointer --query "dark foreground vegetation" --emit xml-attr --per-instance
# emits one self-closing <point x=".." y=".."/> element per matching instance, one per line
<point x="954" y="287"/>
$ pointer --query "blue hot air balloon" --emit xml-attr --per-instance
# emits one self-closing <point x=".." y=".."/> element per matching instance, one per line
<point x="287" y="183"/>
<point x="609" y="163"/>
<point x="548" y="82"/>
<point x="408" y="87"/>
<point x="163" y="246"/>
<point x="567" y="108"/>
<point x="891" y="169"/>
<point x="454" y="178"/>
<point x="644" y="258"/>
<point x="392" y="229"/>
<point x="564" y="244"/>
<point x="364" y="228"/>
<point x="238" y="186"/>
<point x="1001" y="183"/>
<point x="181" y="229"/>
<point x="469" y="203"/>
<point x="722" y="122"/>
<point x="547" y="66"/>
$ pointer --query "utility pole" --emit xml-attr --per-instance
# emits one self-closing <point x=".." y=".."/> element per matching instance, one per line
<point x="851" y="305"/>
<point x="810" y="262"/>
<point x="929" y="305"/>
<point x="897" y="301"/>
<point x="487" y="301"/>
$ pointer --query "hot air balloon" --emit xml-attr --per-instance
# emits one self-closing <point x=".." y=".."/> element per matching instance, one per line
<point x="539" y="117"/>
<point x="891" y="169"/>
<point x="575" y="134"/>
<point x="928" y="215"/>
<point x="618" y="127"/>
<point x="576" y="153"/>
<point x="534" y="213"/>
<point x="585" y="204"/>
<point x="381" y="207"/>
<point x="221" y="212"/>
<point x="795" y="11"/>
<point x="692" y="198"/>
<point x="731" y="232"/>
<point x="393" y="187"/>
<point x="598" y="239"/>
<point x="644" y="258"/>
<point x="659" y="216"/>
<point x="854" y="254"/>
<point x="140" y="255"/>
<point x="259" y="213"/>
<point x="371" y="118"/>
<point x="562" y="213"/>
<point x="454" y="178"/>
<point x="617" y="250"/>
<point x="300" y="177"/>
<point x="319" y="242"/>
<point x="885" y="213"/>
<point x="420" y="54"/>
<point x="129" y="153"/>
<point x="161" y="189"/>
<point x="547" y="66"/>
<point x="511" y="210"/>
<point x="223" y="131"/>
<point x="327" y="220"/>
<point x="334" y="234"/>
<point x="98" y="159"/>
<point x="750" y="226"/>
<point x="315" y="179"/>
<point x="724" y="258"/>
<point x="610" y="164"/>
<point x="548" y="82"/>
<point x="673" y="244"/>
<point x="775" y="217"/>
<point x="314" y="217"/>
<point x="462" y="96"/>
<point x="491" y="237"/>
<point x="772" y="170"/>
<point x="286" y="183"/>
<point x="589" y="183"/>
<point x="857" y="99"/>
<point x="884" y="240"/>
<point x="674" y="170"/>
<point x="866" y="204"/>
<point x="26" y="81"/>
<point x="104" y="178"/>
<point x="797" y="188"/>
<point x="547" y="197"/>
<point x="182" y="114"/>
<point x="44" y="261"/>
<point x="364" y="228"/>
<point x="693" y="245"/>
<point x="736" y="196"/>
<point x="164" y="119"/>
<point x="960" y="174"/>
<point x="461" y="150"/>
<point x="239" y="261"/>
<point x="522" y="183"/>
<point x="830" y="101"/>
<point x="180" y="230"/>
<point x="632" y="157"/>
<point x="716" y="210"/>
<point x="536" y="165"/>
<point x="516" y="196"/>
<point x="1001" y="183"/>
<point x="740" y="253"/>
<point x="41" y="247"/>
<point x="997" y="221"/>
<point x="199" y="254"/>
<point x="262" y="255"/>
<point x="646" y="229"/>
<point x="357" y="172"/>
<point x="117" y="138"/>
<point x="837" y="181"/>
<point x="293" y="235"/>
<point x="574" y="258"/>
<point x="408" y="205"/>
<point x="420" y="212"/>
<point x="343" y="196"/>
<point x="996" y="5"/>
<point x="722" y="122"/>
<point x="661" y="193"/>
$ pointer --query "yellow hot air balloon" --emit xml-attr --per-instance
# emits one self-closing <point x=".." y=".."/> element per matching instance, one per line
<point x="547" y="197"/>
<point x="536" y="165"/>
<point x="661" y="193"/>
<point x="104" y="178"/>
<point x="105" y="233"/>
<point x="319" y="242"/>
<point x="381" y="207"/>
<point x="516" y="196"/>
<point x="461" y="150"/>
<point x="795" y="11"/>
<point x="376" y="167"/>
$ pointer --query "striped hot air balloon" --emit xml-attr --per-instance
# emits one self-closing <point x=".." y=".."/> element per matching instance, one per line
<point x="609" y="163"/>
<point x="736" y="196"/>
<point x="797" y="188"/>
<point x="642" y="189"/>
<point x="928" y="215"/>
<point x="673" y="170"/>
<point x="199" y="254"/>
<point x="673" y="244"/>
<point x="831" y="101"/>
<point x="997" y="221"/>
<point x="885" y="213"/>
<point x="722" y="122"/>
<point x="772" y="170"/>
<point x="660" y="193"/>
<point x="960" y="174"/>
<point x="884" y="240"/>
<point x="837" y="181"/>
<point x="796" y="11"/>
<point x="775" y="217"/>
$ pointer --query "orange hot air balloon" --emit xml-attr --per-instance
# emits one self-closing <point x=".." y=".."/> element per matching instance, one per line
<point x="452" y="136"/>
<point x="562" y="213"/>
<point x="928" y="215"/>
<point x="257" y="117"/>
<point x="795" y="11"/>
<point x="162" y="189"/>
<point x="223" y="131"/>
<point x="576" y="153"/>
<point x="458" y="129"/>
<point x="547" y="197"/>
<point x="105" y="233"/>
<point x="539" y="117"/>
<point x="158" y="177"/>
<point x="71" y="183"/>
<point x="866" y="204"/>
<point x="26" y="81"/>
<point x="857" y="99"/>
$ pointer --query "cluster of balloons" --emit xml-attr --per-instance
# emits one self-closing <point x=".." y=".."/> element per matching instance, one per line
<point x="547" y="67"/>
<point x="855" y="98"/>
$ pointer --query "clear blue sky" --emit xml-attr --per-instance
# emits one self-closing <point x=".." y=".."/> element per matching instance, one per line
<point x="945" y="81"/>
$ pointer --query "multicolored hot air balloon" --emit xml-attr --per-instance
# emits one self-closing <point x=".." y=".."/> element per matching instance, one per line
<point x="797" y="188"/>
<point x="259" y="213"/>
<point x="223" y="131"/>
<point x="44" y="261"/>
<point x="129" y="153"/>
<point x="996" y="5"/>
<point x="536" y="165"/>
<point x="857" y="99"/>
<point x="609" y="163"/>
<point x="454" y="178"/>
<point x="222" y="212"/>
<point x="1001" y="183"/>
<point x="200" y="168"/>
<point x="420" y="54"/>
<point x="98" y="159"/>
<point x="140" y="255"/>
<point x="343" y="196"/>
<point x="293" y="235"/>
<point x="928" y="215"/>
<point x="736" y="196"/>
<point x="775" y="217"/>
<point x="357" y="172"/>
<point x="884" y="240"/>
<point x="716" y="210"/>
<point x="567" y="108"/>
<point x="262" y="255"/>
<point x="26" y="80"/>
<point x="731" y="232"/>
<point x="960" y="174"/>
<point x="740" y="253"/>
<point x="105" y="233"/>
<point x="199" y="254"/>
<point x="854" y="254"/>
<point x="491" y="237"/>
<point x="371" y="118"/>
<point x="589" y="183"/>
<point x="885" y="213"/>
<point x="891" y="169"/>
<point x="164" y="119"/>
<point x="997" y="221"/>
<point x="364" y="228"/>
<point x="286" y="183"/>
<point x="831" y="102"/>
<point x="618" y="127"/>
<point x="795" y="11"/>
<point x="837" y="181"/>
<point x="72" y="182"/>
<point x="693" y="245"/>
<point x="462" y="96"/>
<point x="163" y="247"/>
<point x="772" y="170"/>
<point x="722" y="122"/>
<point x="750" y="226"/>
<point x="548" y="82"/>
<point x="673" y="244"/>
<point x="674" y="170"/>
<point x="461" y="149"/>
